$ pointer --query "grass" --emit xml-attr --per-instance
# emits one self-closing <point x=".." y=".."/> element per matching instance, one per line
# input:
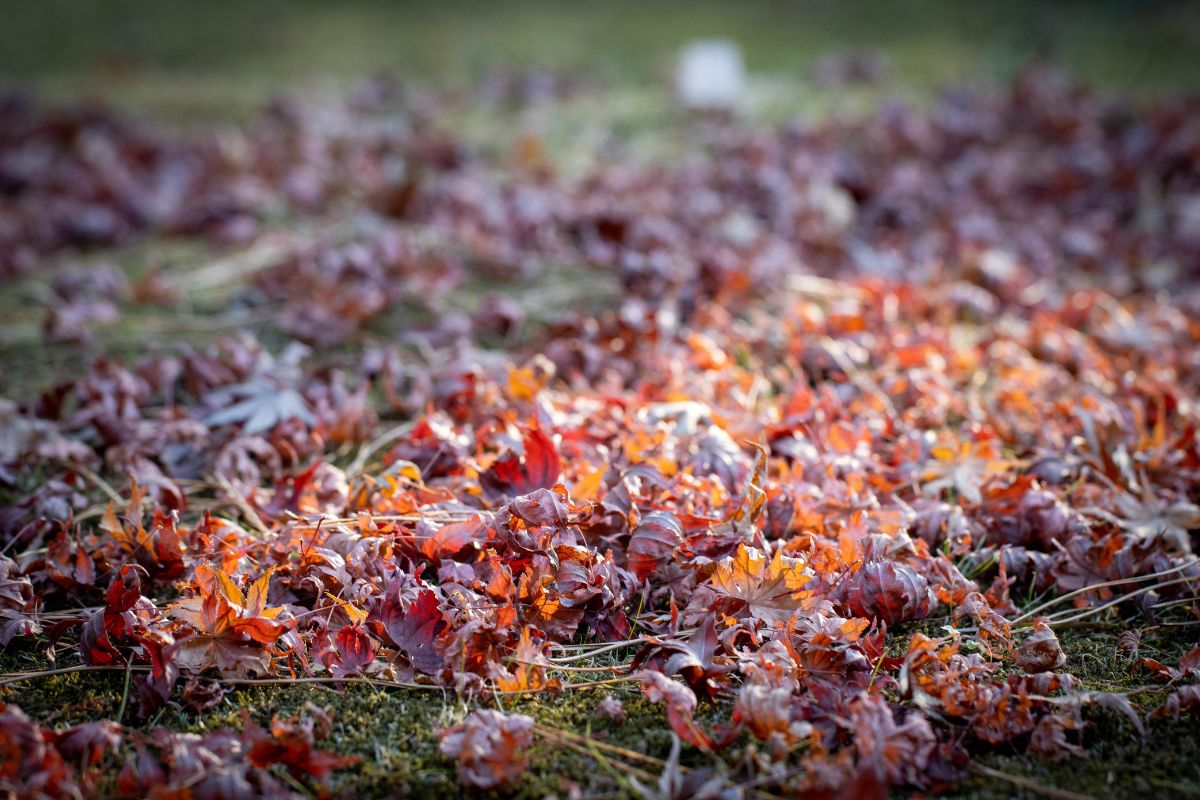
<point x="395" y="730"/>
<point x="220" y="59"/>
<point x="186" y="64"/>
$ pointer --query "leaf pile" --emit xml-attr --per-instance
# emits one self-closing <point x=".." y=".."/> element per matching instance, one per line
<point x="876" y="405"/>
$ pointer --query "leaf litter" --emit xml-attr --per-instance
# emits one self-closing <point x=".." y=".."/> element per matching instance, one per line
<point x="873" y="397"/>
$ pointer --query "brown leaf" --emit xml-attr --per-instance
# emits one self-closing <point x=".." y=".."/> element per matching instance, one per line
<point x="489" y="747"/>
<point x="1041" y="651"/>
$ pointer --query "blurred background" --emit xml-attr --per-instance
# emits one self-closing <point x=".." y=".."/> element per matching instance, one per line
<point x="528" y="87"/>
<point x="223" y="57"/>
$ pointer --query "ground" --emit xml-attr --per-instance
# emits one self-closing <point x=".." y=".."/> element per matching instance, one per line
<point x="186" y="71"/>
<point x="393" y="730"/>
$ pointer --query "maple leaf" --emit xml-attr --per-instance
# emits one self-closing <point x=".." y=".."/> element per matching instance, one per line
<point x="754" y="497"/>
<point x="548" y="507"/>
<point x="489" y="747"/>
<point x="694" y="658"/>
<point x="766" y="706"/>
<point x="681" y="710"/>
<point x="30" y="766"/>
<point x="902" y="752"/>
<point x="1184" y="700"/>
<point x="88" y="742"/>
<point x="1049" y="737"/>
<point x="769" y="590"/>
<point x="17" y="603"/>
<point x="539" y="467"/>
<point x="545" y="605"/>
<point x="415" y="628"/>
<point x="611" y="709"/>
<point x="528" y="670"/>
<point x="964" y="469"/>
<point x="1041" y="652"/>
<point x="159" y="550"/>
<point x="452" y="538"/>
<point x="124" y="620"/>
<point x="259" y="405"/>
<point x="354" y="650"/>
<point x="652" y="542"/>
<point x="888" y="592"/>
<point x="291" y="743"/>
<point x="1148" y="518"/>
<point x="1189" y="666"/>
<point x="231" y="627"/>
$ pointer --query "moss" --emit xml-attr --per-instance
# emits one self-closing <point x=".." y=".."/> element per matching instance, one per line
<point x="1119" y="764"/>
<point x="395" y="730"/>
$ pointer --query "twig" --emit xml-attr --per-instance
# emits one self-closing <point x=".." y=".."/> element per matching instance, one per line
<point x="24" y="676"/>
<point x="556" y="667"/>
<point x="1115" y="601"/>
<point x="1029" y="783"/>
<point x="242" y="503"/>
<point x="99" y="482"/>
<point x="16" y="677"/>
<point x="444" y="515"/>
<point x="125" y="691"/>
<point x="603" y="762"/>
<point x="374" y="446"/>
<point x="598" y="651"/>
<point x="1033" y="611"/>
<point x="406" y="685"/>
<point x="551" y="731"/>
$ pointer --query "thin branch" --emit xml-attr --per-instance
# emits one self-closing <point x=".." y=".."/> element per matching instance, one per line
<point x="1115" y="601"/>
<point x="1034" y="611"/>
<point x="1029" y="783"/>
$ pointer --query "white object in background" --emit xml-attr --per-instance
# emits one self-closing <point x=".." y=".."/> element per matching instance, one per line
<point x="710" y="74"/>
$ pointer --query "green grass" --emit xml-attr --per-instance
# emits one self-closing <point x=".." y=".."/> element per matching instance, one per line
<point x="395" y="730"/>
<point x="217" y="61"/>
<point x="220" y="58"/>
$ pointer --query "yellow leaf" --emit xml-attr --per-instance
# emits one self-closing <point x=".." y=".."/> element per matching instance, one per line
<point x="232" y="593"/>
<point x="356" y="614"/>
<point x="111" y="525"/>
<point x="588" y="485"/>
<point x="771" y="589"/>
<point x="256" y="598"/>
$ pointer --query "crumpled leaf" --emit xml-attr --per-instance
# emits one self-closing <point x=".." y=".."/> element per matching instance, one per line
<point x="693" y="658"/>
<point x="1041" y="652"/>
<point x="890" y="592"/>
<point x="681" y="706"/>
<point x="489" y="747"/>
<point x="652" y="542"/>
<point x="537" y="467"/>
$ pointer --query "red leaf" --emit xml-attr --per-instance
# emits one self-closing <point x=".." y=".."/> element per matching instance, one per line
<point x="511" y="475"/>
<point x="1041" y="652"/>
<point x="291" y="744"/>
<point x="888" y="592"/>
<point x="452" y="538"/>
<point x="124" y="590"/>
<point x="415" y="629"/>
<point x="681" y="706"/>
<point x="653" y="541"/>
<point x="355" y="650"/>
